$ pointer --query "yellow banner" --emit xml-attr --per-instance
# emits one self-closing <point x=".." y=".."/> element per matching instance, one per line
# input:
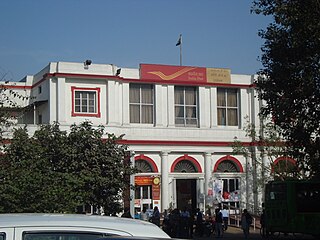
<point x="218" y="75"/>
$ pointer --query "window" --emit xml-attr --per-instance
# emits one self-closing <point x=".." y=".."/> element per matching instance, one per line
<point x="62" y="235"/>
<point x="86" y="102"/>
<point x="141" y="103"/>
<point x="227" y="103"/>
<point x="186" y="112"/>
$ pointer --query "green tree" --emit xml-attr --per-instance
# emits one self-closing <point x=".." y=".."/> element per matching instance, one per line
<point x="53" y="171"/>
<point x="289" y="82"/>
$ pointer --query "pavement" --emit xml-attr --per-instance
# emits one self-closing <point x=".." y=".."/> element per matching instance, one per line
<point x="234" y="233"/>
<point x="237" y="233"/>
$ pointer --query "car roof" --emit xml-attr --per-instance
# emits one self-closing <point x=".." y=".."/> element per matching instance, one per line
<point x="131" y="226"/>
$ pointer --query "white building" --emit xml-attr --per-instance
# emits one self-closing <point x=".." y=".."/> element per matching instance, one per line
<point x="178" y="121"/>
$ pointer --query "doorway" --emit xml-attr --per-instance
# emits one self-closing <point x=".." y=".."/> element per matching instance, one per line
<point x="186" y="193"/>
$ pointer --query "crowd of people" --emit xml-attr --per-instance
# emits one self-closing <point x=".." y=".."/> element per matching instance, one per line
<point x="187" y="223"/>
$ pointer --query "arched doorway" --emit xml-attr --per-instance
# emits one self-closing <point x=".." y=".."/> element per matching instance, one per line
<point x="227" y="177"/>
<point x="185" y="187"/>
<point x="147" y="184"/>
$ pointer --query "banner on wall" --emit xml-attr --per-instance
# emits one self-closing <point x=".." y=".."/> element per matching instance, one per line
<point x="185" y="73"/>
<point x="154" y="181"/>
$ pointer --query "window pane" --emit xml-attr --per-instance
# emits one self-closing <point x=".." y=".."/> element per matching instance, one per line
<point x="179" y="112"/>
<point x="146" y="191"/>
<point x="147" y="94"/>
<point x="221" y="100"/>
<point x="191" y="96"/>
<point x="91" y="109"/>
<point x="178" y="95"/>
<point x="134" y="114"/>
<point x="191" y="121"/>
<point x="221" y="116"/>
<point x="232" y="117"/>
<point x="147" y="114"/>
<point x="137" y="192"/>
<point x="232" y="98"/>
<point x="134" y="93"/>
<point x="191" y="112"/>
<point x="232" y="185"/>
<point x="179" y="121"/>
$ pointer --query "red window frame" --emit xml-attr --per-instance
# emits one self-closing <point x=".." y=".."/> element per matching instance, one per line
<point x="76" y="114"/>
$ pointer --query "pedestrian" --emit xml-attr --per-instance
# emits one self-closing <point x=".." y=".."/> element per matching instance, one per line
<point x="143" y="215"/>
<point x="218" y="222"/>
<point x="184" y="223"/>
<point x="155" y="219"/>
<point x="174" y="221"/>
<point x="225" y="215"/>
<point x="199" y="223"/>
<point x="246" y="221"/>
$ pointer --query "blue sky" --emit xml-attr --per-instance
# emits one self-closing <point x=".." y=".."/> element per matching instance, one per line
<point x="216" y="33"/>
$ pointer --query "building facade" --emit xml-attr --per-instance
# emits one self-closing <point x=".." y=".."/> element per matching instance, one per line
<point x="179" y="123"/>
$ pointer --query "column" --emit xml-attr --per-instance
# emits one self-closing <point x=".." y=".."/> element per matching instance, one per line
<point x="132" y="192"/>
<point x="164" y="180"/>
<point x="207" y="171"/>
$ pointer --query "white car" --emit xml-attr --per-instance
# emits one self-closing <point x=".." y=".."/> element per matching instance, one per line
<point x="72" y="227"/>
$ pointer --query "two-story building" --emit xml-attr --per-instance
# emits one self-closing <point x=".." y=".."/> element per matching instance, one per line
<point x="179" y="122"/>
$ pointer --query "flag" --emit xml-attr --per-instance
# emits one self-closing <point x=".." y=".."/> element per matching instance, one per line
<point x="179" y="41"/>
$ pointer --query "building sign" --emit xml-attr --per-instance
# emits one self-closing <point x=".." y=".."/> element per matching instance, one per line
<point x="153" y="181"/>
<point x="184" y="73"/>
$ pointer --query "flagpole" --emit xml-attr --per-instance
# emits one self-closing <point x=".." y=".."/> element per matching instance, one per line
<point x="180" y="49"/>
<point x="181" y="52"/>
<point x="179" y="43"/>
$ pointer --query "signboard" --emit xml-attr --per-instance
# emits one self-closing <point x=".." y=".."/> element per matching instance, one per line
<point x="153" y="181"/>
<point x="185" y="73"/>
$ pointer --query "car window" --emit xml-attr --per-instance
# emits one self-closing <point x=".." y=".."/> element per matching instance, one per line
<point x="2" y="236"/>
<point x="61" y="235"/>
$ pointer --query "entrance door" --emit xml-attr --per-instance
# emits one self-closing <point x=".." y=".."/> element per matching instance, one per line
<point x="186" y="193"/>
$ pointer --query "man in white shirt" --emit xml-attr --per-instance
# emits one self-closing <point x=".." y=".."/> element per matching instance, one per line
<point x="225" y="215"/>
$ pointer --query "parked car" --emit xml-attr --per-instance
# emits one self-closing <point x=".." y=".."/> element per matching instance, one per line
<point x="73" y="227"/>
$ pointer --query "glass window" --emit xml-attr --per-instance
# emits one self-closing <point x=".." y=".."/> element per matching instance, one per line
<point x="2" y="236"/>
<point x="85" y="102"/>
<point x="227" y="103"/>
<point x="186" y="110"/>
<point x="62" y="235"/>
<point x="141" y="103"/>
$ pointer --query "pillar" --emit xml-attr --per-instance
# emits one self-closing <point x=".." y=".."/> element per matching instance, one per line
<point x="164" y="180"/>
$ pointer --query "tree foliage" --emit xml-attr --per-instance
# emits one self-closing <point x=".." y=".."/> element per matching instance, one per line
<point x="290" y="79"/>
<point x="53" y="171"/>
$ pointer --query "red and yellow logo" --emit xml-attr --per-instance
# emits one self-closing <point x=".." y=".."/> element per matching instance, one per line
<point x="182" y="73"/>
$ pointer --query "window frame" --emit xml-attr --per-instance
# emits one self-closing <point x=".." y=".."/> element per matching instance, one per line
<point x="141" y="104"/>
<point x="97" y="113"/>
<point x="185" y="106"/>
<point x="228" y="107"/>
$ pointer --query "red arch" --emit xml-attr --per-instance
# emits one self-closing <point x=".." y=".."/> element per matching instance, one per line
<point x="149" y="160"/>
<point x="291" y="160"/>
<point x="189" y="158"/>
<point x="230" y="158"/>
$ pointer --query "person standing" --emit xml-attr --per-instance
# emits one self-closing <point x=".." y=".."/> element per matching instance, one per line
<point x="225" y="215"/>
<point x="199" y="223"/>
<point x="143" y="215"/>
<point x="156" y="216"/>
<point x="184" y="223"/>
<point x="219" y="220"/>
<point x="246" y="220"/>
